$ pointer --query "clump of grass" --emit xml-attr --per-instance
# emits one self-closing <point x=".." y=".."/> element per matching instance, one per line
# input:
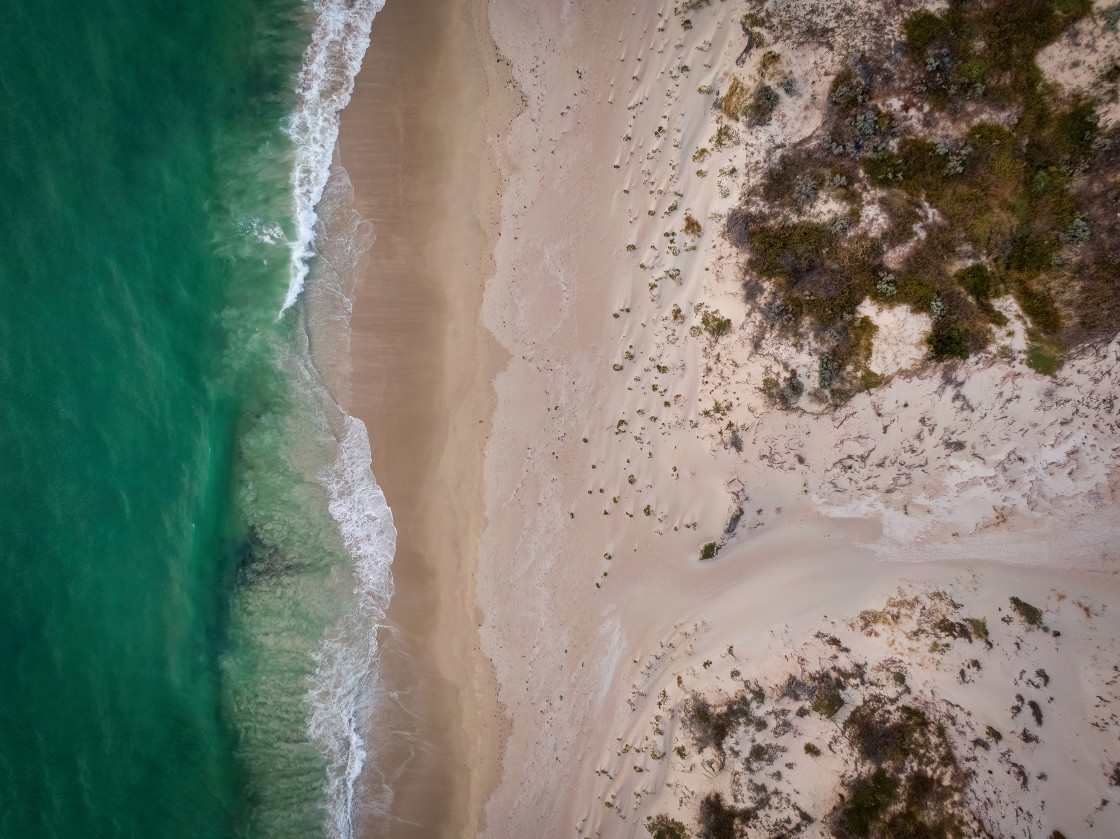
<point x="1030" y="615"/>
<point x="979" y="627"/>
<point x="715" y="324"/>
<point x="725" y="136"/>
<point x="691" y="226"/>
<point x="709" y="551"/>
<point x="734" y="102"/>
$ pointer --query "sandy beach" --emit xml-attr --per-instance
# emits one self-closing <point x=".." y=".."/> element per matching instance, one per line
<point x="423" y="107"/>
<point x="604" y="517"/>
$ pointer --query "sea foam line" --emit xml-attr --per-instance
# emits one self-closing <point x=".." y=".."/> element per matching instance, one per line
<point x="326" y="81"/>
<point x="343" y="691"/>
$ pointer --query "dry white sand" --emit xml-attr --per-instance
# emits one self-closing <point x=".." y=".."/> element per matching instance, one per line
<point x="626" y="437"/>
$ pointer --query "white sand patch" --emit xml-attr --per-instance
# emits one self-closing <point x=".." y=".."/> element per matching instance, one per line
<point x="1011" y="340"/>
<point x="1079" y="59"/>
<point x="900" y="342"/>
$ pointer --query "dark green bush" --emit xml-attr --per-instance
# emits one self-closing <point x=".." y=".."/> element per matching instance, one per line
<point x="947" y="341"/>
<point x="870" y="797"/>
<point x="924" y="29"/>
<point x="977" y="280"/>
<point x="762" y="104"/>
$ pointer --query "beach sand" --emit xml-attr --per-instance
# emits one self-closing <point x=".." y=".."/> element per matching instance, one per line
<point x="553" y="590"/>
<point x="414" y="142"/>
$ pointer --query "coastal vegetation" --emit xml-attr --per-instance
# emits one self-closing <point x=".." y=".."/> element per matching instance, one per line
<point x="1030" y="615"/>
<point x="1003" y="187"/>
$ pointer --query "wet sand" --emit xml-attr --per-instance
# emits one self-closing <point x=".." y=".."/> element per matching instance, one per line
<point x="414" y="143"/>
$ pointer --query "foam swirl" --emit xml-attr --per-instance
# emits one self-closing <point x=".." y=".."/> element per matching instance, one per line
<point x="326" y="81"/>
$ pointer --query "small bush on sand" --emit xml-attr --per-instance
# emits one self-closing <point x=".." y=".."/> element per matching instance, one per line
<point x="828" y="701"/>
<point x="1030" y="615"/>
<point x="663" y="827"/>
<point x="979" y="627"/>
<point x="762" y="104"/>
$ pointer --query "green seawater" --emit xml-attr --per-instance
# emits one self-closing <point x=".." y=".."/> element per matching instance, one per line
<point x="167" y="563"/>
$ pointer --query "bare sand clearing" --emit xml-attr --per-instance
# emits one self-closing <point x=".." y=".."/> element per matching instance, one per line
<point x="631" y="430"/>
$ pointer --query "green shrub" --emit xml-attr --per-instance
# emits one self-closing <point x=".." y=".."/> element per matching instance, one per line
<point x="979" y="627"/>
<point x="1041" y="360"/>
<point x="812" y="750"/>
<point x="715" y="324"/>
<point x="947" y="341"/>
<point x="977" y="280"/>
<point x="924" y="29"/>
<point x="827" y="701"/>
<point x="868" y="801"/>
<point x="709" y="551"/>
<point x="1030" y="615"/>
<point x="762" y="104"/>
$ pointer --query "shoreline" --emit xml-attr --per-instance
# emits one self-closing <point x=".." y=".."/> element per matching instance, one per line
<point x="421" y="369"/>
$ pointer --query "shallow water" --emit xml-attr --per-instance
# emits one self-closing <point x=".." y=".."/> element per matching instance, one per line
<point x="193" y="553"/>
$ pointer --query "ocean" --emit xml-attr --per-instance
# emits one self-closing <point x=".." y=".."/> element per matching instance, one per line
<point x="194" y="555"/>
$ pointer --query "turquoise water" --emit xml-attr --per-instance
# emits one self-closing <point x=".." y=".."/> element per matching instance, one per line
<point x="182" y="628"/>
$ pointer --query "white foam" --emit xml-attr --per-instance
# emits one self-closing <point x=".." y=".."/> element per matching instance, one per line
<point x="344" y="692"/>
<point x="268" y="234"/>
<point x="342" y="695"/>
<point x="330" y="64"/>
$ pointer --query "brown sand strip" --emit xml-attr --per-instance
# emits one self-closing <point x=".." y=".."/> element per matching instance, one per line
<point x="414" y="143"/>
